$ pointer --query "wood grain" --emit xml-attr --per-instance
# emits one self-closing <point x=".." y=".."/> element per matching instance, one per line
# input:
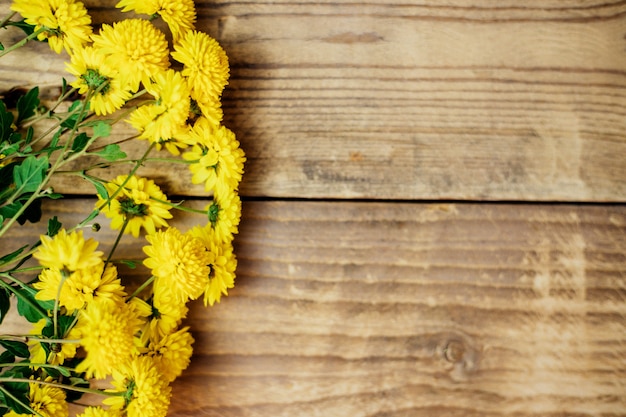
<point x="379" y="309"/>
<point x="480" y="100"/>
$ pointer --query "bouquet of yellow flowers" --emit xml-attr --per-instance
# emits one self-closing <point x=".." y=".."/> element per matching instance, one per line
<point x="89" y="332"/>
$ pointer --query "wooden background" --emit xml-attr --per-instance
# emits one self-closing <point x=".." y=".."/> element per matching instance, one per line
<point x="434" y="219"/>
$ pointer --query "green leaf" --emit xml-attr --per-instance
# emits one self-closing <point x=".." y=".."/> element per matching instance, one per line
<point x="9" y="257"/>
<point x="75" y="113"/>
<point x="6" y="120"/>
<point x="128" y="263"/>
<point x="11" y="209"/>
<point x="31" y="309"/>
<point x="111" y="152"/>
<point x="100" y="189"/>
<point x="5" y="304"/>
<point x="19" y="349"/>
<point x="101" y="129"/>
<point x="1" y="47"/>
<point x="7" y="357"/>
<point x="21" y="395"/>
<point x="27" y="104"/>
<point x="63" y="86"/>
<point x="80" y="142"/>
<point x="28" y="29"/>
<point x="30" y="174"/>
<point x="54" y="225"/>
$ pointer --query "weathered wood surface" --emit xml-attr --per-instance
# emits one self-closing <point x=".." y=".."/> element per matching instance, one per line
<point x="362" y="309"/>
<point x="479" y="100"/>
<point x="400" y="309"/>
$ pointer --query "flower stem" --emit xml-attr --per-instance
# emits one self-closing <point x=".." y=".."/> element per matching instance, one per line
<point x="7" y="19"/>
<point x="20" y="402"/>
<point x="63" y="386"/>
<point x="38" y="365"/>
<point x="117" y="241"/>
<point x="141" y="288"/>
<point x="23" y="41"/>
<point x="26" y="339"/>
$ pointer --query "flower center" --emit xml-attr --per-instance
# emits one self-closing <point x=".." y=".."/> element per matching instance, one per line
<point x="131" y="209"/>
<point x="96" y="81"/>
<point x="214" y="211"/>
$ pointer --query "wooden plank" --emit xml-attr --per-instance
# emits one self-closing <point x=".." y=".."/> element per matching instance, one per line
<point x="363" y="309"/>
<point x="481" y="100"/>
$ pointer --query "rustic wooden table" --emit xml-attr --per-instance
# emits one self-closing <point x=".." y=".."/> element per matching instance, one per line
<point x="433" y="219"/>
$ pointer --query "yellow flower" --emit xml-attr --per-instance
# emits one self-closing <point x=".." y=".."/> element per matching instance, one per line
<point x="163" y="314"/>
<point x="92" y="72"/>
<point x="225" y="214"/>
<point x="66" y="22"/>
<point x="166" y="119"/>
<point x="140" y="203"/>
<point x="145" y="392"/>
<point x="81" y="287"/>
<point x="55" y="356"/>
<point x="179" y="263"/>
<point x="205" y="64"/>
<point x="222" y="276"/>
<point x="68" y="252"/>
<point x="99" y="412"/>
<point x="171" y="353"/>
<point x="217" y="158"/>
<point x="210" y="108"/>
<point x="136" y="48"/>
<point x="107" y="332"/>
<point x="180" y="15"/>
<point x="46" y="400"/>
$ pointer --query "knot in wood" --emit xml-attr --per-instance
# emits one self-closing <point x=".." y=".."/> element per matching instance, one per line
<point x="454" y="351"/>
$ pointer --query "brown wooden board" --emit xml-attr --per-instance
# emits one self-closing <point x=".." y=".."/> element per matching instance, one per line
<point x="371" y="309"/>
<point x="478" y="100"/>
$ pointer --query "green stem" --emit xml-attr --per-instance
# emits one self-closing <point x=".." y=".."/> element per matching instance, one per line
<point x="38" y="365"/>
<point x="132" y="172"/>
<point x="179" y="206"/>
<point x="17" y="400"/>
<point x="55" y="315"/>
<point x="117" y="241"/>
<point x="141" y="288"/>
<point x="63" y="386"/>
<point x="23" y="41"/>
<point x="6" y="20"/>
<point x="28" y="338"/>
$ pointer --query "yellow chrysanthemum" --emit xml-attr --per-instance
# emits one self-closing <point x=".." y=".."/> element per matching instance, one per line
<point x="66" y="22"/>
<point x="93" y="74"/>
<point x="136" y="48"/>
<point x="81" y="287"/>
<point x="180" y="15"/>
<point x="99" y="412"/>
<point x="165" y="120"/>
<point x="46" y="400"/>
<point x="224" y="214"/>
<point x="68" y="252"/>
<point x="210" y="108"/>
<point x="222" y="276"/>
<point x="217" y="158"/>
<point x="179" y="262"/>
<point x="171" y="353"/>
<point x="57" y="355"/>
<point x="145" y="392"/>
<point x="139" y="204"/>
<point x="107" y="332"/>
<point x="163" y="315"/>
<point x="205" y="64"/>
